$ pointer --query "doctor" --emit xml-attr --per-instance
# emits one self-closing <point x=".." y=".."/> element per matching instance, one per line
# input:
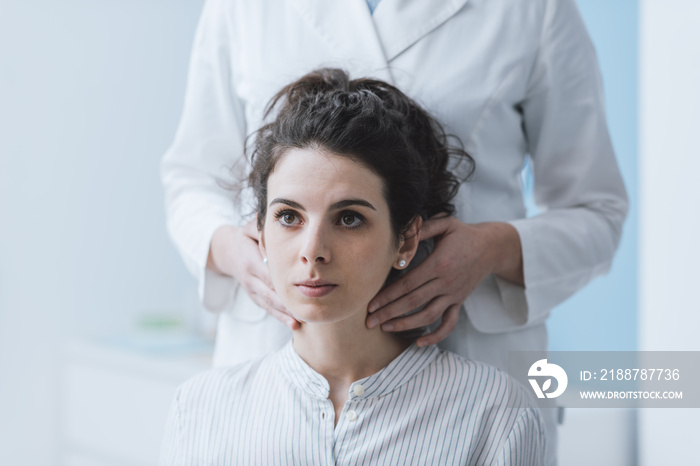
<point x="512" y="79"/>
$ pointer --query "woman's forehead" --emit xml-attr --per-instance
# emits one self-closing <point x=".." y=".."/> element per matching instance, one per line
<point x="323" y="177"/>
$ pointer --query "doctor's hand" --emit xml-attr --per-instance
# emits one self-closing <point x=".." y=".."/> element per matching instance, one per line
<point x="234" y="252"/>
<point x="463" y="256"/>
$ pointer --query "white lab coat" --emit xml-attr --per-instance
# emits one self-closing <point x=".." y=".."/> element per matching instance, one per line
<point x="509" y="77"/>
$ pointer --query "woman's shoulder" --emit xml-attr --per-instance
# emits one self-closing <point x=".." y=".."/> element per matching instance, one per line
<point x="226" y="381"/>
<point x="461" y="365"/>
<point x="477" y="380"/>
<point x="482" y="391"/>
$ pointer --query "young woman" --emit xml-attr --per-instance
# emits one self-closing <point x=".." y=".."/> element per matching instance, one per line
<point x="343" y="178"/>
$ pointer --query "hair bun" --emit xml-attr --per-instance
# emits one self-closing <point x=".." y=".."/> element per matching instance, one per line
<point x="372" y="122"/>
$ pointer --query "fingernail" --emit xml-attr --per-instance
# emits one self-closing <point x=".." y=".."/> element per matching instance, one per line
<point x="388" y="327"/>
<point x="373" y="307"/>
<point x="373" y="321"/>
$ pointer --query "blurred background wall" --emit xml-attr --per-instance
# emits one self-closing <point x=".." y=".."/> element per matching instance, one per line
<point x="669" y="311"/>
<point x="90" y="96"/>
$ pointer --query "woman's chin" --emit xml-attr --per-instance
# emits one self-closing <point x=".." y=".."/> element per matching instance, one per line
<point x="319" y="314"/>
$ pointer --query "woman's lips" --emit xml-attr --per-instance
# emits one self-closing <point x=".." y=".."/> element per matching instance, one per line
<point x="315" y="289"/>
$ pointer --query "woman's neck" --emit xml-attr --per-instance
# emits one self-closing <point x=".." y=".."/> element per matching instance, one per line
<point x="346" y="351"/>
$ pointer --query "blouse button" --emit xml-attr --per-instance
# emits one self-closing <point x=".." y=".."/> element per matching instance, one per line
<point x="358" y="390"/>
<point x="351" y="416"/>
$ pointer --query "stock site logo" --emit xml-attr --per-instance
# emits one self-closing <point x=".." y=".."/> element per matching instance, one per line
<point x="542" y="369"/>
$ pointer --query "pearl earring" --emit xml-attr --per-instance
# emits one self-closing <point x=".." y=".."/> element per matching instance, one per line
<point x="402" y="263"/>
<point x="265" y="260"/>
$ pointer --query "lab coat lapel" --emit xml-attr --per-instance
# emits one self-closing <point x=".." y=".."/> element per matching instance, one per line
<point x="401" y="23"/>
<point x="347" y="27"/>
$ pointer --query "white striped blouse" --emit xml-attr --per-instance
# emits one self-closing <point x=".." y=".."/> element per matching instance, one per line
<point x="427" y="407"/>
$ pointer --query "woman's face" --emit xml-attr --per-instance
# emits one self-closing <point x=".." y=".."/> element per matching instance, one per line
<point x="327" y="235"/>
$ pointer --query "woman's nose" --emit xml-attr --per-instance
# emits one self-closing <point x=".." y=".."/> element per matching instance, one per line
<point x="315" y="248"/>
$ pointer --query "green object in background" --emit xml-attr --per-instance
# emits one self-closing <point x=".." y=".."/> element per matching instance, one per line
<point x="164" y="321"/>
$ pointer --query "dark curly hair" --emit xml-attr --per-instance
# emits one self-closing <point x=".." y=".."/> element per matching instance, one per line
<point x="371" y="122"/>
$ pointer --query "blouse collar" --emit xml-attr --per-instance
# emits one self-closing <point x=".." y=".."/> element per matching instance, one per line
<point x="403" y="368"/>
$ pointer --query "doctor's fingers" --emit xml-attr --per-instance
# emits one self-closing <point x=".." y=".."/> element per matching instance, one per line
<point x="256" y="268"/>
<point x="266" y="298"/>
<point x="413" y="299"/>
<point x="430" y="314"/>
<point x="286" y="319"/>
<point x="251" y="230"/>
<point x="449" y="323"/>
<point x="423" y="274"/>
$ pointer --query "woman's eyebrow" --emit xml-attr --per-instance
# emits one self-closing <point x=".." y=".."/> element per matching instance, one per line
<point x="351" y="202"/>
<point x="338" y="205"/>
<point x="279" y="200"/>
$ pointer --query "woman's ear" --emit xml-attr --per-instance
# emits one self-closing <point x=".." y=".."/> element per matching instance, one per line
<point x="408" y="244"/>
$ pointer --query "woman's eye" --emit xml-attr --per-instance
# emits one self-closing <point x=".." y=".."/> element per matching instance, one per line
<point x="287" y="218"/>
<point x="350" y="220"/>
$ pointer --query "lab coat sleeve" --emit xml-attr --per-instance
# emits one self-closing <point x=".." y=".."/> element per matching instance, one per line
<point x="196" y="170"/>
<point x="577" y="183"/>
